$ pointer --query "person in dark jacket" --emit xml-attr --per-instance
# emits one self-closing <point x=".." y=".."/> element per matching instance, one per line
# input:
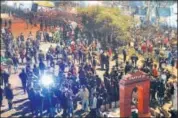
<point x="173" y="63"/>
<point x="82" y="76"/>
<point x="173" y="113"/>
<point x="15" y="63"/>
<point x="22" y="37"/>
<point x="61" y="65"/>
<point x="161" y="90"/>
<point x="107" y="61"/>
<point x="5" y="77"/>
<point x="1" y="96"/>
<point x="42" y="67"/>
<point x="23" y="77"/>
<point x="94" y="62"/>
<point x="41" y="56"/>
<point x="124" y="55"/>
<point x="127" y="67"/>
<point x="5" y="23"/>
<point x="36" y="70"/>
<point x="134" y="59"/>
<point x="153" y="89"/>
<point x="9" y="95"/>
<point x="41" y="25"/>
<point x="102" y="59"/>
<point x="39" y="103"/>
<point x="10" y="23"/>
<point x="31" y="97"/>
<point x="107" y="80"/>
<point x="64" y="104"/>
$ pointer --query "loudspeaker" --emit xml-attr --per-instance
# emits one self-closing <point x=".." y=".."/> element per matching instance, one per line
<point x="34" y="7"/>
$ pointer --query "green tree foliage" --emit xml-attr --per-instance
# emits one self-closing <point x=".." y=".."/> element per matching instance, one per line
<point x="107" y="20"/>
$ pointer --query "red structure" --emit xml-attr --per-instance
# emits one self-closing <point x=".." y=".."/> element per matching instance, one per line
<point x="140" y="81"/>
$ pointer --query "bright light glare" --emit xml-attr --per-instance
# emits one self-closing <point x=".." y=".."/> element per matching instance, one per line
<point x="47" y="80"/>
<point x="93" y="3"/>
<point x="10" y="3"/>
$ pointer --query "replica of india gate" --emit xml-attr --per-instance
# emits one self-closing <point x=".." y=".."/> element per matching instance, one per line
<point x="140" y="81"/>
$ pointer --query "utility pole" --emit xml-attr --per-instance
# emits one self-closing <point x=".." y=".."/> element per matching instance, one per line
<point x="148" y="10"/>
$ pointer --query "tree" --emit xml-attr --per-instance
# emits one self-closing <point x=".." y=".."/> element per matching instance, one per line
<point x="107" y="21"/>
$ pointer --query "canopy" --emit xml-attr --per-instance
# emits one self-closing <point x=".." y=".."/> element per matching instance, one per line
<point x="45" y="3"/>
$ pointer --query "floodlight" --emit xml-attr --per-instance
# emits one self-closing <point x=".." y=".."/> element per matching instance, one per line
<point x="47" y="80"/>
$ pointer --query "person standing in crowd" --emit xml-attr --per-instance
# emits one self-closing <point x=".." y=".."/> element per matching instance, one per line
<point x="174" y="96"/>
<point x="64" y="104"/>
<point x="9" y="95"/>
<point x="1" y="96"/>
<point x="94" y="106"/>
<point x="107" y="79"/>
<point x="172" y="63"/>
<point x="127" y="67"/>
<point x="42" y="67"/>
<point x="41" y="25"/>
<point x="9" y="64"/>
<point x="94" y="63"/>
<point x="161" y="90"/>
<point x="107" y="61"/>
<point x="38" y="103"/>
<point x="41" y="56"/>
<point x="134" y="59"/>
<point x="82" y="76"/>
<point x="27" y="22"/>
<point x="102" y="59"/>
<point x="5" y="23"/>
<point x="5" y="77"/>
<point x="23" y="77"/>
<point x="163" y="77"/>
<point x="10" y="23"/>
<point x="70" y="102"/>
<point x="61" y="65"/>
<point x="31" y="97"/>
<point x="153" y="89"/>
<point x="155" y="71"/>
<point x="124" y="55"/>
<point x="36" y="70"/>
<point x="84" y="94"/>
<point x="15" y="63"/>
<point x="80" y="53"/>
<point x="46" y="25"/>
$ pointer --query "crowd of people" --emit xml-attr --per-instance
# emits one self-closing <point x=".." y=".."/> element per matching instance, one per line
<point x="75" y="61"/>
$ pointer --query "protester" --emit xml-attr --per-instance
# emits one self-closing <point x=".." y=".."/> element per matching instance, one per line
<point x="94" y="106"/>
<point x="1" y="96"/>
<point x="161" y="90"/>
<point x="124" y="55"/>
<point x="155" y="71"/>
<point x="5" y="77"/>
<point x="23" y="77"/>
<point x="31" y="97"/>
<point x="84" y="94"/>
<point x="10" y="23"/>
<point x="9" y="95"/>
